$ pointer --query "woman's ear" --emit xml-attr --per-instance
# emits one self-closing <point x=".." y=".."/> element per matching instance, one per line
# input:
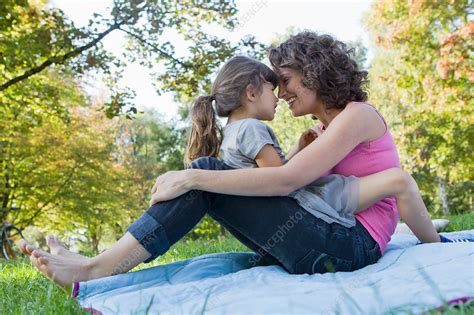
<point x="251" y="92"/>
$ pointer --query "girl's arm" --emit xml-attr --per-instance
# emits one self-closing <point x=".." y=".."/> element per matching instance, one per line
<point x="268" y="157"/>
<point x="305" y="139"/>
<point x="354" y="125"/>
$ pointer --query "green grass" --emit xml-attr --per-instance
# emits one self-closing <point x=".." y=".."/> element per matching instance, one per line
<point x="24" y="291"/>
<point x="461" y="222"/>
<point x="184" y="250"/>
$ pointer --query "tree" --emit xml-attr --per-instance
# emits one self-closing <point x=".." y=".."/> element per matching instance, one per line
<point x="36" y="37"/>
<point x="27" y="110"/>
<point x="147" y="147"/>
<point x="422" y="78"/>
<point x="359" y="52"/>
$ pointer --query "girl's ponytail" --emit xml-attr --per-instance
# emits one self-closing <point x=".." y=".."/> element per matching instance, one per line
<point x="206" y="133"/>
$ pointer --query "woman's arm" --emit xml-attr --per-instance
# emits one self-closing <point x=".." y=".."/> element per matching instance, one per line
<point x="295" y="149"/>
<point x="354" y="125"/>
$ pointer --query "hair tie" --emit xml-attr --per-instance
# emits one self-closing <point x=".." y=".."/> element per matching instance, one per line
<point x="212" y="97"/>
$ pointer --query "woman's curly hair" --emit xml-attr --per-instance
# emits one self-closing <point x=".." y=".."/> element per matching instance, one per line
<point x="326" y="65"/>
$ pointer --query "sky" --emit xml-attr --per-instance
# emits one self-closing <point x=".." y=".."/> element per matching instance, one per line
<point x="262" y="18"/>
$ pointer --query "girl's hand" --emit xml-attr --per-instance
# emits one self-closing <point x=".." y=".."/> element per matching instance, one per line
<point x="170" y="185"/>
<point x="309" y="136"/>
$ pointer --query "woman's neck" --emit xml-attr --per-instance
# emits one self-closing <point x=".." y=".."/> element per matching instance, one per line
<point x="326" y="116"/>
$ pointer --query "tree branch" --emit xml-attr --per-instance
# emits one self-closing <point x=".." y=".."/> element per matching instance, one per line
<point x="58" y="191"/>
<point x="160" y="51"/>
<point x="59" y="59"/>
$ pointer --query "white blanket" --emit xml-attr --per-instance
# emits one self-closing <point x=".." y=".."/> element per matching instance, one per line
<point x="407" y="278"/>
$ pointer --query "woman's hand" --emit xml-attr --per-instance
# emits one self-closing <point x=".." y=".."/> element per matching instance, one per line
<point x="309" y="136"/>
<point x="170" y="185"/>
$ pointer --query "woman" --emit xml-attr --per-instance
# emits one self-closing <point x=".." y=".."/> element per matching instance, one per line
<point x="317" y="77"/>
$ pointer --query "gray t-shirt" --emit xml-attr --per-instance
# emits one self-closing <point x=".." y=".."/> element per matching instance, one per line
<point x="242" y="141"/>
<point x="331" y="198"/>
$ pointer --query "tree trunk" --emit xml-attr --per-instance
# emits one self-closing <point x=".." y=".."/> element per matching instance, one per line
<point x="95" y="239"/>
<point x="444" y="196"/>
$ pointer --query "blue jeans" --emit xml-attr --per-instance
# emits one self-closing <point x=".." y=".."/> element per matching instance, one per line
<point x="276" y="228"/>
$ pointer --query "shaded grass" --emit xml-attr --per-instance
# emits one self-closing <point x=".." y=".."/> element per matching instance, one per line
<point x="24" y="291"/>
<point x="460" y="222"/>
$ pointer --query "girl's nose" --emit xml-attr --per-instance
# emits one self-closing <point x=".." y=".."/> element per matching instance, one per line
<point x="281" y="91"/>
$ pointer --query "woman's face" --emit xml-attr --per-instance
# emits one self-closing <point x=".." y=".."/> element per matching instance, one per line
<point x="301" y="100"/>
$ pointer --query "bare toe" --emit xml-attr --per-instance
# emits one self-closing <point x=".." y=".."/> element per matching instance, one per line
<point x="57" y="247"/>
<point x="30" y="248"/>
<point x="53" y="240"/>
<point x="43" y="260"/>
<point x="37" y="253"/>
<point x="34" y="261"/>
<point x="62" y="270"/>
<point x="25" y="248"/>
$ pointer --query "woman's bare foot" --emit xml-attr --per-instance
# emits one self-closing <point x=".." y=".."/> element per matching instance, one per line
<point x="57" y="247"/>
<point x="62" y="270"/>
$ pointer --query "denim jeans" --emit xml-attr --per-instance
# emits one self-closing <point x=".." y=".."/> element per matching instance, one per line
<point x="276" y="228"/>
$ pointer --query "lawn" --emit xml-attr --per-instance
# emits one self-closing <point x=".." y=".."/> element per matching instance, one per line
<point x="25" y="291"/>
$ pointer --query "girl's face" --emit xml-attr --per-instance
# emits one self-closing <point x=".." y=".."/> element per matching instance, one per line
<point x="266" y="103"/>
<point x="301" y="100"/>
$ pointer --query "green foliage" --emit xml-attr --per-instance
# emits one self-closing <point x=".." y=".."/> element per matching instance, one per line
<point x="147" y="147"/>
<point x="62" y="175"/>
<point x="36" y="36"/>
<point x="206" y="229"/>
<point x="34" y="117"/>
<point x="421" y="78"/>
<point x="359" y="52"/>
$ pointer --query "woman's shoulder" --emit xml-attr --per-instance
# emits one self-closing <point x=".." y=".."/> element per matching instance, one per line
<point x="359" y="113"/>
<point x="362" y="108"/>
<point x="365" y="116"/>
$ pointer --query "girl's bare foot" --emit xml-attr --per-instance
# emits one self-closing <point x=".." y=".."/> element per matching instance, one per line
<point x="25" y="247"/>
<point x="57" y="247"/>
<point x="62" y="270"/>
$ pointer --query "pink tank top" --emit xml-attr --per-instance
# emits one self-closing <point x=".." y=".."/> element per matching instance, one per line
<point x="368" y="158"/>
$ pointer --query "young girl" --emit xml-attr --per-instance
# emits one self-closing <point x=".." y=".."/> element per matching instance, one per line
<point x="243" y="91"/>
